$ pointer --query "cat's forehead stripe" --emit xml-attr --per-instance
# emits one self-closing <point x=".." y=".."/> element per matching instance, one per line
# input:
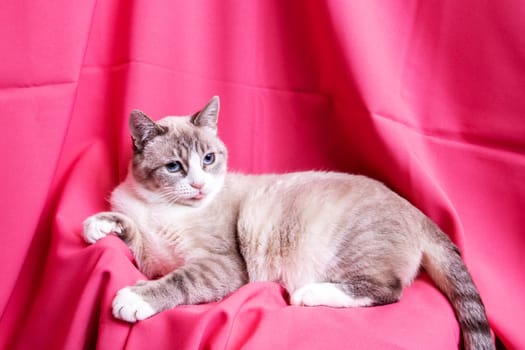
<point x="189" y="140"/>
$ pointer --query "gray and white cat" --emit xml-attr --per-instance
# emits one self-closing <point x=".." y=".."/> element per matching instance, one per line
<point x="329" y="238"/>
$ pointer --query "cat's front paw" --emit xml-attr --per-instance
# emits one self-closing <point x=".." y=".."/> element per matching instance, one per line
<point x="99" y="226"/>
<point x="130" y="306"/>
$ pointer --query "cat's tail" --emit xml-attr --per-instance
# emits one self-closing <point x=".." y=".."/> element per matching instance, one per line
<point x="443" y="262"/>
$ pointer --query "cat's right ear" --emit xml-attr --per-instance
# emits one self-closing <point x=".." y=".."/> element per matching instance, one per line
<point x="143" y="129"/>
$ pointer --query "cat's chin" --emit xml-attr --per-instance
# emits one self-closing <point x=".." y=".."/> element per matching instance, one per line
<point x="195" y="202"/>
<point x="198" y="201"/>
<point x="198" y="197"/>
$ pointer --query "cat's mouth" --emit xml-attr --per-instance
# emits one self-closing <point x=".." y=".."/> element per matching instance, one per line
<point x="198" y="196"/>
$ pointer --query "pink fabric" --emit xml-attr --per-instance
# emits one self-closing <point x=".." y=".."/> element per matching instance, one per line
<point x="427" y="96"/>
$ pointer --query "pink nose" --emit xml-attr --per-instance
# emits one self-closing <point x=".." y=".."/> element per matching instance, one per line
<point x="197" y="185"/>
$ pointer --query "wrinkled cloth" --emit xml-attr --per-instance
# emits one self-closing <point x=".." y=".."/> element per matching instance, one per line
<point x="427" y="96"/>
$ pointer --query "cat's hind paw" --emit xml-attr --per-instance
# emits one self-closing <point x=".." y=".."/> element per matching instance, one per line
<point x="326" y="294"/>
<point x="99" y="226"/>
<point x="131" y="307"/>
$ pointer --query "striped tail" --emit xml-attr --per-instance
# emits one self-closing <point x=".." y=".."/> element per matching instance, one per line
<point x="443" y="262"/>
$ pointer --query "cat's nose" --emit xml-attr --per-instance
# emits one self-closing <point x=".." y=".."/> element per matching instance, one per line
<point x="197" y="185"/>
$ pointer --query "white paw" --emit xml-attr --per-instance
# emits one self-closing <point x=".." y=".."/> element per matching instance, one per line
<point x="96" y="227"/>
<point x="131" y="307"/>
<point x="327" y="294"/>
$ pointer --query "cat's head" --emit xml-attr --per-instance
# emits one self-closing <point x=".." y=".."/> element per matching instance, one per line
<point x="179" y="160"/>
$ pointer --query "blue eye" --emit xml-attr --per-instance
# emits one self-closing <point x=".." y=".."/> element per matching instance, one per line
<point x="208" y="159"/>
<point x="173" y="167"/>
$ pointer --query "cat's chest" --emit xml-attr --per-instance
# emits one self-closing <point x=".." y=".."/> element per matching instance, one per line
<point x="168" y="230"/>
<point x="166" y="240"/>
<point x="153" y="219"/>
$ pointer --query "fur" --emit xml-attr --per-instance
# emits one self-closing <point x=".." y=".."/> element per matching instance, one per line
<point x="199" y="232"/>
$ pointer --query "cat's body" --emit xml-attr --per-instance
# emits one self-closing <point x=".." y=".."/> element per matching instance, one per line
<point x="329" y="238"/>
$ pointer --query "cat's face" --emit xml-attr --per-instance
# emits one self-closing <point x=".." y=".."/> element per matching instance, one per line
<point x="179" y="160"/>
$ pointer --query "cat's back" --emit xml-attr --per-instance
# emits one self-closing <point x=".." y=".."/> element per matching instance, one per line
<point x="299" y="186"/>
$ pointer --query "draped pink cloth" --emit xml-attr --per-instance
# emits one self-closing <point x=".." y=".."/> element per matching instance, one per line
<point x="427" y="96"/>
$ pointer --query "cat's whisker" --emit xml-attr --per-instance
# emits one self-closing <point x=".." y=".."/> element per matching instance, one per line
<point x="169" y="195"/>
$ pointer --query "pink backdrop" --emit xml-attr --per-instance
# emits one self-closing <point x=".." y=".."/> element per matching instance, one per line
<point x="428" y="96"/>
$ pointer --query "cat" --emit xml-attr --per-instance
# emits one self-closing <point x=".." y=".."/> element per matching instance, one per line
<point x="200" y="232"/>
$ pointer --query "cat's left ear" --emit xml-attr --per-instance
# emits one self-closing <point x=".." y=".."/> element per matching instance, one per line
<point x="209" y="115"/>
